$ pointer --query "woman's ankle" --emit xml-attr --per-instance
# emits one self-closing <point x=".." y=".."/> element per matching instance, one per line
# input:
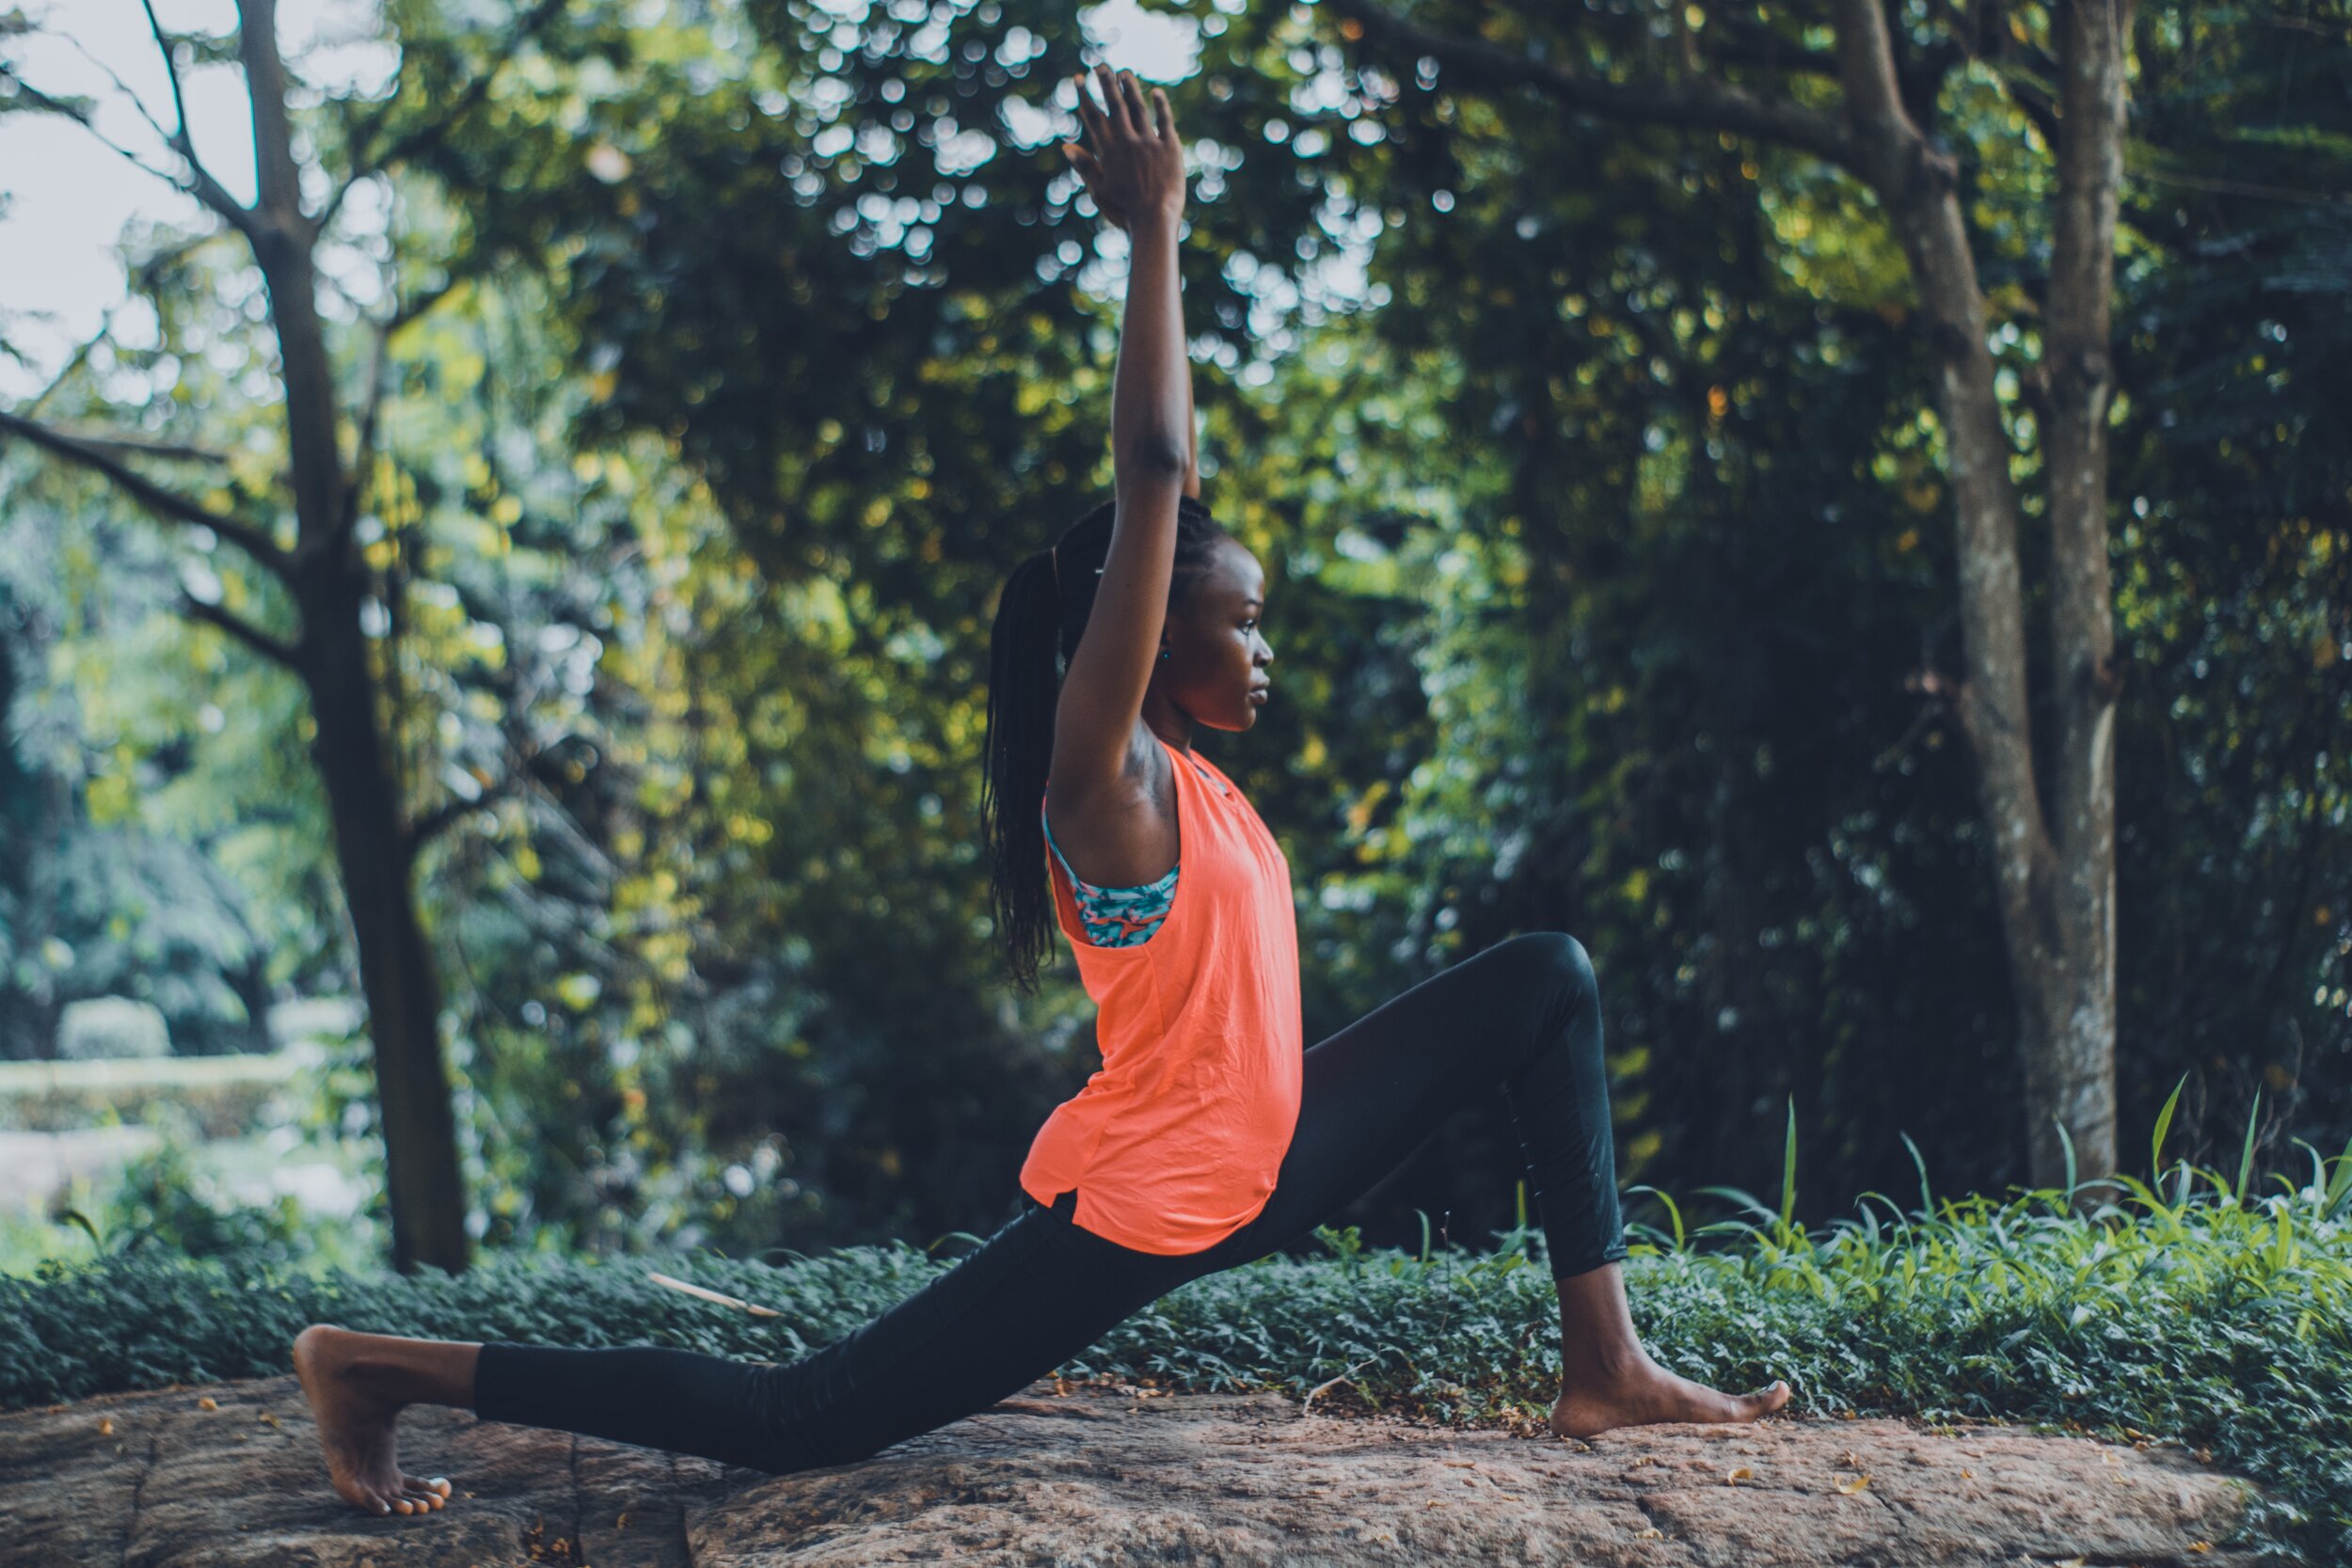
<point x="395" y="1372"/>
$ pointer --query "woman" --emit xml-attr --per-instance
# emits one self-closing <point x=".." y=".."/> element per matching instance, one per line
<point x="1208" y="1138"/>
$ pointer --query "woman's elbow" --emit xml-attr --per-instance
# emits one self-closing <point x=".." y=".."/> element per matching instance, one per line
<point x="1153" y="459"/>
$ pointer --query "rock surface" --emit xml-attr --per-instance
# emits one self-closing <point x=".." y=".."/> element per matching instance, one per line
<point x="1101" y="1478"/>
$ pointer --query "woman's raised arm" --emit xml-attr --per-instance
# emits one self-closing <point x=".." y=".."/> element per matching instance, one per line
<point x="1136" y="167"/>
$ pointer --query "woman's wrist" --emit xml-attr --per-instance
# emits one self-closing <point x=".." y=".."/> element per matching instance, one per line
<point x="1150" y="222"/>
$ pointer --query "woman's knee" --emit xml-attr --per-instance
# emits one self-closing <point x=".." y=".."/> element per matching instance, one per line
<point x="1555" y="958"/>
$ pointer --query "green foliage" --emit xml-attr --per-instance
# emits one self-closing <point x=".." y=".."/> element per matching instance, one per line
<point x="160" y="1203"/>
<point x="144" y="786"/>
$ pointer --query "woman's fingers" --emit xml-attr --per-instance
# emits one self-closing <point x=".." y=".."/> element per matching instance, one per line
<point x="1115" y="99"/>
<point x="1138" y="112"/>
<point x="1127" y="109"/>
<point x="1088" y="115"/>
<point x="1107" y="118"/>
<point x="1095" y="116"/>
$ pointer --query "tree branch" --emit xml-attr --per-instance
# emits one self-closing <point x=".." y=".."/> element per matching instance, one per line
<point x="2033" y="100"/>
<point x="253" y="637"/>
<point x="67" y="109"/>
<point x="166" y="504"/>
<point x="1922" y="76"/>
<point x="171" y="450"/>
<point x="79" y="358"/>
<point x="364" y="453"/>
<point x="201" y="183"/>
<point x="123" y="87"/>
<point x="1697" y="105"/>
<point x="277" y="179"/>
<point x="425" y="828"/>
<point x="1874" y="99"/>
<point x="437" y="820"/>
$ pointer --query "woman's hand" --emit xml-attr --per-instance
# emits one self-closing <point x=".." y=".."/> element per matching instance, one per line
<point x="1137" y="165"/>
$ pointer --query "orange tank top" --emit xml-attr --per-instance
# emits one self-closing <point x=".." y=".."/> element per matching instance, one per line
<point x="1174" y="1144"/>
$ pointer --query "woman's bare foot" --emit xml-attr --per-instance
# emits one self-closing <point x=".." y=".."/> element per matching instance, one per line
<point x="354" y="1415"/>
<point x="1646" y="1392"/>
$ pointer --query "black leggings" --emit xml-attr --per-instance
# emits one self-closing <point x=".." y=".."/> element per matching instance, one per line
<point x="1523" y="1013"/>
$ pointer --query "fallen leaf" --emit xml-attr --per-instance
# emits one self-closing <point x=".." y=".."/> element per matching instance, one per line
<point x="1739" y="1473"/>
<point x="106" y="1426"/>
<point x="1851" y="1487"/>
<point x="622" y="1522"/>
<point x="208" y="1403"/>
<point x="1652" y="1533"/>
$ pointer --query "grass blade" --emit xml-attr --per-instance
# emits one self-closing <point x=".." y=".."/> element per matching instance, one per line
<point x="1927" y="1204"/>
<point x="2068" y="1141"/>
<point x="2164" y="1124"/>
<point x="1789" y="1173"/>
<point x="1673" y="1210"/>
<point x="1742" y="1197"/>
<point x="2245" y="1160"/>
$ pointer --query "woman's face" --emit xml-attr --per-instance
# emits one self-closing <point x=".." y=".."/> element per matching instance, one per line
<point x="1215" y="667"/>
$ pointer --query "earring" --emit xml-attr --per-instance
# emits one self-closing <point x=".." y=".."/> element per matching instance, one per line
<point x="1162" y="653"/>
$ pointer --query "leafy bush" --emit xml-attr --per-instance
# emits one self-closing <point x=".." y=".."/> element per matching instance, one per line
<point x="163" y="1204"/>
<point x="112" y="1026"/>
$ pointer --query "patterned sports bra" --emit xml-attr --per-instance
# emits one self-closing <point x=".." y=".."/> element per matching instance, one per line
<point x="1120" y="916"/>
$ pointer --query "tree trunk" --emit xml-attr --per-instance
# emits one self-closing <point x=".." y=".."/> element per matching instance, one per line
<point x="396" y="970"/>
<point x="373" y="840"/>
<point x="2053" y="859"/>
<point x="2076" y="1072"/>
